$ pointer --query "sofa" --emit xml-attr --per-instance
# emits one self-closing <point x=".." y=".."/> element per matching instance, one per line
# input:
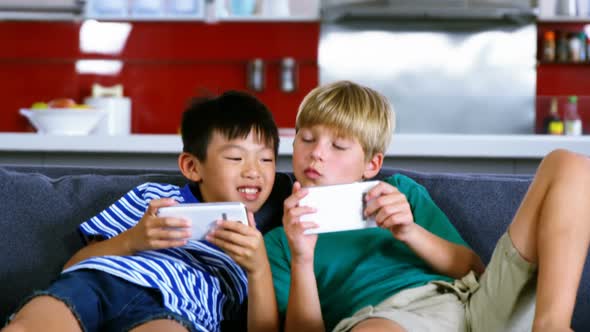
<point x="42" y="207"/>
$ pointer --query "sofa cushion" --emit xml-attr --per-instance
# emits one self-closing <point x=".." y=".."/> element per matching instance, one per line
<point x="481" y="206"/>
<point x="39" y="224"/>
<point x="41" y="215"/>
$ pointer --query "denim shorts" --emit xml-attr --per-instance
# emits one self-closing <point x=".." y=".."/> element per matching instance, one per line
<point x="103" y="302"/>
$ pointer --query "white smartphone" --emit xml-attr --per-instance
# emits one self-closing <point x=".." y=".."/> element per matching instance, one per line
<point x="338" y="207"/>
<point x="203" y="216"/>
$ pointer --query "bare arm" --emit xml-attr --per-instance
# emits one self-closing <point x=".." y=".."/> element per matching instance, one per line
<point x="151" y="232"/>
<point x="392" y="211"/>
<point x="303" y="308"/>
<point x="245" y="245"/>
<point x="443" y="256"/>
<point x="263" y="314"/>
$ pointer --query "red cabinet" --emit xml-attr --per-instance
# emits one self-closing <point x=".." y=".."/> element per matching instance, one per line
<point x="562" y="78"/>
<point x="161" y="65"/>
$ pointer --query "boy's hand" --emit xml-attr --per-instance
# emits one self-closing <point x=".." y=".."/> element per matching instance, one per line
<point x="153" y="232"/>
<point x="302" y="246"/>
<point x="243" y="243"/>
<point x="391" y="210"/>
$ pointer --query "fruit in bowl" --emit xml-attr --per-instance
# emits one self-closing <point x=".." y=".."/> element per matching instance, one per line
<point x="39" y="105"/>
<point x="74" y="119"/>
<point x="62" y="103"/>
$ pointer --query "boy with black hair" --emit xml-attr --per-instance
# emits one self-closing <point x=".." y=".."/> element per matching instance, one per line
<point x="140" y="272"/>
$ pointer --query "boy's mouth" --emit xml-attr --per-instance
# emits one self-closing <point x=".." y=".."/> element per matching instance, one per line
<point x="311" y="173"/>
<point x="249" y="193"/>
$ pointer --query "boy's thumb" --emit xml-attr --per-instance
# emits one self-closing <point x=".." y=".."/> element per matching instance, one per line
<point x="251" y="220"/>
<point x="296" y="186"/>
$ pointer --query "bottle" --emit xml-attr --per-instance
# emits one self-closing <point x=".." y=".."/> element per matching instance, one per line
<point x="552" y="123"/>
<point x="562" y="48"/>
<point x="571" y="118"/>
<point x="574" y="47"/>
<point x="583" y="50"/>
<point x="549" y="46"/>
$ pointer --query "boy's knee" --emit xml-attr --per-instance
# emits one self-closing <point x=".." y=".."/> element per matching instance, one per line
<point x="567" y="164"/>
<point x="15" y="326"/>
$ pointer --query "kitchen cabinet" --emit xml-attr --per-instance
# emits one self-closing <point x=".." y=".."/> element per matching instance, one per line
<point x="161" y="65"/>
<point x="161" y="60"/>
<point x="162" y="10"/>
<point x="146" y="10"/>
<point x="563" y="42"/>
<point x="562" y="78"/>
<point x="203" y="10"/>
<point x="563" y="19"/>
<point x="267" y="10"/>
<point x="569" y="72"/>
<point x="564" y="10"/>
<point x="54" y="10"/>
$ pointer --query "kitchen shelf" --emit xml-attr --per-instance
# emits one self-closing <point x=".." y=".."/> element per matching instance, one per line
<point x="564" y="19"/>
<point x="270" y="11"/>
<point x="126" y="10"/>
<point x="266" y="18"/>
<point x="546" y="63"/>
<point x="147" y="19"/>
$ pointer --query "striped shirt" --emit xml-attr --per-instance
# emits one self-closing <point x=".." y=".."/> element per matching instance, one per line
<point x="198" y="281"/>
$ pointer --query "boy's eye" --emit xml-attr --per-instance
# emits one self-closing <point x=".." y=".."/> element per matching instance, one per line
<point x="339" y="147"/>
<point x="232" y="158"/>
<point x="306" y="139"/>
<point x="267" y="160"/>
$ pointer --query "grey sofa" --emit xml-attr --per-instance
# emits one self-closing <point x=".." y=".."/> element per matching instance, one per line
<point x="42" y="206"/>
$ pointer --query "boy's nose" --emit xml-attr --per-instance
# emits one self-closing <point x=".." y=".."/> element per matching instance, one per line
<point x="317" y="152"/>
<point x="251" y="170"/>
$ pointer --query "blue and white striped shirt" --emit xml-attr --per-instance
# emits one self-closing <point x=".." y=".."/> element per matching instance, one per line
<point x="198" y="281"/>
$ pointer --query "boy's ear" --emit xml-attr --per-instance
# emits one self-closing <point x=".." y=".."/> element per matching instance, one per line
<point x="190" y="166"/>
<point x="373" y="166"/>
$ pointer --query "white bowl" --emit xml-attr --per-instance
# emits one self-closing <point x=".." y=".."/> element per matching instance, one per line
<point x="63" y="121"/>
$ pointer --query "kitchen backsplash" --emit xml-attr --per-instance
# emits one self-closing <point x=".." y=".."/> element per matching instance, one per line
<point x="163" y="64"/>
<point x="160" y="64"/>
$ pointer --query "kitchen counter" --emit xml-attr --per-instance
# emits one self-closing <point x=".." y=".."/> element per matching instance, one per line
<point x="407" y="145"/>
<point x="25" y="148"/>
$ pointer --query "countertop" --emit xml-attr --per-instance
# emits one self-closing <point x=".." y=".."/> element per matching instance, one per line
<point x="402" y="145"/>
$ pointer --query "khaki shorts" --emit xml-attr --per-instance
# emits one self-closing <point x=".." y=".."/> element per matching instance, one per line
<point x="503" y="300"/>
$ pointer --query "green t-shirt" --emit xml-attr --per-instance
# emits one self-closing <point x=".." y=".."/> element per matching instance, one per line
<point x="358" y="268"/>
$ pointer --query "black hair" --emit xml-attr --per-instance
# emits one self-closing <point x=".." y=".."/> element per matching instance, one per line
<point x="233" y="114"/>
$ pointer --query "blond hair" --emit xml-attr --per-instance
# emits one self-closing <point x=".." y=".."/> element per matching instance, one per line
<point x="351" y="110"/>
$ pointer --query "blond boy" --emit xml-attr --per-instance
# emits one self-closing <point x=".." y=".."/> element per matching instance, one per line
<point x="415" y="272"/>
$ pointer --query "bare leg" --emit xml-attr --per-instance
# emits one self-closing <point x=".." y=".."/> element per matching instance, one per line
<point x="552" y="228"/>
<point x="377" y="325"/>
<point x="44" y="313"/>
<point x="158" y="325"/>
